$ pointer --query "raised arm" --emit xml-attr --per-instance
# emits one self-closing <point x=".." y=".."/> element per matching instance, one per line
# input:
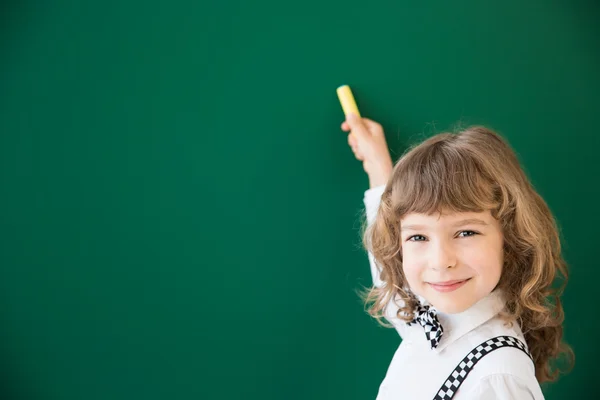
<point x="367" y="140"/>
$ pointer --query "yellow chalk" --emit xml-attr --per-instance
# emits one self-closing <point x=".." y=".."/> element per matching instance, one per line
<point x="347" y="100"/>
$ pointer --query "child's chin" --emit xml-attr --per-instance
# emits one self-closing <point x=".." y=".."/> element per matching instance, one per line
<point x="452" y="306"/>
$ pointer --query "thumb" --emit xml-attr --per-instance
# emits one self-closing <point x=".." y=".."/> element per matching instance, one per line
<point x="357" y="126"/>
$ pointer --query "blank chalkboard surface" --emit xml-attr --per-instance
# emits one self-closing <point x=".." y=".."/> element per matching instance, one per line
<point x="180" y="210"/>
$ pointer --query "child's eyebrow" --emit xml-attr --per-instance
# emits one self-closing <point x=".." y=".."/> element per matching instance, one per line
<point x="468" y="221"/>
<point x="412" y="228"/>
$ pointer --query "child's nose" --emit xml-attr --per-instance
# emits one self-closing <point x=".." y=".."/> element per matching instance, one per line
<point x="442" y="257"/>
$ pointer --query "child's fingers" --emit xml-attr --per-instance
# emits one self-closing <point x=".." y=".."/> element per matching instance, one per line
<point x="356" y="125"/>
<point x="345" y="126"/>
<point x="351" y="140"/>
<point x="374" y="127"/>
<point x="354" y="146"/>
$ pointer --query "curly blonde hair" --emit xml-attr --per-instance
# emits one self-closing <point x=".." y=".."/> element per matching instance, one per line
<point x="471" y="171"/>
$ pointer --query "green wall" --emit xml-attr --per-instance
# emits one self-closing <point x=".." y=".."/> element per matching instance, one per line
<point x="180" y="210"/>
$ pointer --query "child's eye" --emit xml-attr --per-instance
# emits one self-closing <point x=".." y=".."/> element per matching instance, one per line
<point x="417" y="238"/>
<point x="467" y="233"/>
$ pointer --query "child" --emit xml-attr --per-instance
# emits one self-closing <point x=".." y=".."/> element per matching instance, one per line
<point x="463" y="254"/>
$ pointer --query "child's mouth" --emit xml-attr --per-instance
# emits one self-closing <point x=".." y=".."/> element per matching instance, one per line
<point x="448" y="286"/>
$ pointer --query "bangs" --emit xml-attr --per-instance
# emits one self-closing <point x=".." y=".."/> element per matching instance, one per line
<point x="443" y="178"/>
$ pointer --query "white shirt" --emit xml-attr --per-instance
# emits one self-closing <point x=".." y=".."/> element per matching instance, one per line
<point x="417" y="372"/>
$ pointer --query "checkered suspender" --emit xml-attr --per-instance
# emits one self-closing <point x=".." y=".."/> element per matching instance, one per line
<point x="456" y="378"/>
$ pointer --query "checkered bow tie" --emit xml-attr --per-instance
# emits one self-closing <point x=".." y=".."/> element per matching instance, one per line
<point x="426" y="316"/>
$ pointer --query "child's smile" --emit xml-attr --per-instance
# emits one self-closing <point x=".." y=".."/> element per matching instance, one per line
<point x="448" y="286"/>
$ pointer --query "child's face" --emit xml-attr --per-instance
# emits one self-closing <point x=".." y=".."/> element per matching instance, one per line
<point x="452" y="260"/>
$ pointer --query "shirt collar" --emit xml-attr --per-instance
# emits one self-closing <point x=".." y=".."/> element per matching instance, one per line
<point x="458" y="325"/>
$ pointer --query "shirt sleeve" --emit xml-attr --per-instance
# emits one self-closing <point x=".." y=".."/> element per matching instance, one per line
<point x="502" y="387"/>
<point x="372" y="199"/>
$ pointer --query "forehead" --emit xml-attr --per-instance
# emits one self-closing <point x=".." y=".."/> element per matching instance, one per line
<point x="419" y="220"/>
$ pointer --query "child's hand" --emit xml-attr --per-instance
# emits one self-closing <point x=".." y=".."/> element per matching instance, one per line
<point x="367" y="141"/>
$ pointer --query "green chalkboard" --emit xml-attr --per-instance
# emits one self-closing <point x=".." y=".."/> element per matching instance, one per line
<point x="180" y="210"/>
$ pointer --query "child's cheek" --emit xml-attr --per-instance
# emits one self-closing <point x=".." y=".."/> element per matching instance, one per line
<point x="413" y="271"/>
<point x="485" y="263"/>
